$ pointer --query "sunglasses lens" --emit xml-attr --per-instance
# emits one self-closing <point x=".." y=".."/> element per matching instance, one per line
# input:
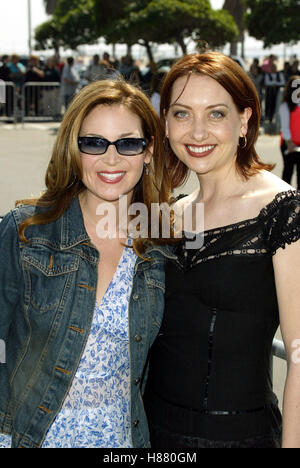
<point x="131" y="146"/>
<point x="90" y="145"/>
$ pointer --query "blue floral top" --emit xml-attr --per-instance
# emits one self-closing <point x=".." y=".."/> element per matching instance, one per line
<point x="96" y="411"/>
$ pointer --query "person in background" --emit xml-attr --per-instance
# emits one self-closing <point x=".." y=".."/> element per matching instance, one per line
<point x="286" y="71"/>
<point x="17" y="71"/>
<point x="33" y="94"/>
<point x="129" y="70"/>
<point x="295" y="68"/>
<point x="96" y="70"/>
<point x="4" y="69"/>
<point x="257" y="76"/>
<point x="59" y="63"/>
<point x="268" y="63"/>
<point x="34" y="72"/>
<point x="70" y="81"/>
<point x="5" y="75"/>
<point x="289" y="113"/>
<point x="156" y="84"/>
<point x="51" y="94"/>
<point x="273" y="82"/>
<point x="209" y="382"/>
<point x="80" y="306"/>
<point x="149" y="79"/>
<point x="51" y="71"/>
<point x="113" y="64"/>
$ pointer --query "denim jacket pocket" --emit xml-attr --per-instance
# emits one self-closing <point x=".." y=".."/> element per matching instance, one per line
<point x="46" y="276"/>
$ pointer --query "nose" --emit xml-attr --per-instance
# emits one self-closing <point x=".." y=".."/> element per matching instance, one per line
<point x="111" y="156"/>
<point x="199" y="130"/>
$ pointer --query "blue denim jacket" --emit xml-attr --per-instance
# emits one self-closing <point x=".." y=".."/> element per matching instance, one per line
<point x="47" y="299"/>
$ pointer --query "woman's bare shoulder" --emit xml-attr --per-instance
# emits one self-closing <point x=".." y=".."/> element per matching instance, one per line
<point x="266" y="186"/>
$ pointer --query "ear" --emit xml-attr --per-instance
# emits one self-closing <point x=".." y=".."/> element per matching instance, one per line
<point x="149" y="151"/>
<point x="245" y="117"/>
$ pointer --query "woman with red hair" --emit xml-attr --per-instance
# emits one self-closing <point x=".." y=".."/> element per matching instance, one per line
<point x="209" y="383"/>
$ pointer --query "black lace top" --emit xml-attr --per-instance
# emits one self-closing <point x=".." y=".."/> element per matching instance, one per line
<point x="209" y="367"/>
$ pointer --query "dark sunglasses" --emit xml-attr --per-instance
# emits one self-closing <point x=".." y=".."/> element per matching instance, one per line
<point x="124" y="146"/>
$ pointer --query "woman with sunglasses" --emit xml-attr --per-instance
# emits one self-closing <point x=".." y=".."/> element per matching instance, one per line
<point x="79" y="308"/>
<point x="209" y="382"/>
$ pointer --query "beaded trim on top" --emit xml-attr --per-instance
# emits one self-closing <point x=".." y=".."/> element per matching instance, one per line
<point x="277" y="224"/>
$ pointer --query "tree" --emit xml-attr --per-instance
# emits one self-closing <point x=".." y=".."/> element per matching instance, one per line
<point x="141" y="22"/>
<point x="47" y="36"/>
<point x="114" y="21"/>
<point x="217" y="29"/>
<point x="72" y="24"/>
<point x="169" y="21"/>
<point x="274" y="21"/>
<point x="237" y="9"/>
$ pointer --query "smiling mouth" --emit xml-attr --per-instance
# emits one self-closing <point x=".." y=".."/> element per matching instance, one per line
<point x="111" y="177"/>
<point x="198" y="151"/>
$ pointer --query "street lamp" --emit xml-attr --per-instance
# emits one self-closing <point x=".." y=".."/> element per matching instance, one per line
<point x="29" y="26"/>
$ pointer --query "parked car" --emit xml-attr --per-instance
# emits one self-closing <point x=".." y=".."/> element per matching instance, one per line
<point x="166" y="64"/>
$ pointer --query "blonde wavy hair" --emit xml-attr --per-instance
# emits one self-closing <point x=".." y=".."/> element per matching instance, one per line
<point x="64" y="173"/>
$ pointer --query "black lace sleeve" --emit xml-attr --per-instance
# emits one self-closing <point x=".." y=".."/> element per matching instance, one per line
<point x="284" y="220"/>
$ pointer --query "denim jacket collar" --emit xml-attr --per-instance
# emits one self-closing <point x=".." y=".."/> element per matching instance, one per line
<point x="73" y="231"/>
<point x="69" y="231"/>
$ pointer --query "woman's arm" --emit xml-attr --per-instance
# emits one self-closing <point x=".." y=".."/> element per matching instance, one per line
<point x="284" y="116"/>
<point x="287" y="274"/>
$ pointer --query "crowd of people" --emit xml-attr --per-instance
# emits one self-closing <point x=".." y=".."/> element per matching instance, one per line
<point x="267" y="77"/>
<point x="70" y="76"/>
<point x="276" y="89"/>
<point x="270" y="80"/>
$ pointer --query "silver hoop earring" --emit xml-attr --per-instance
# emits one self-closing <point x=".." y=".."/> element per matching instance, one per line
<point x="245" y="143"/>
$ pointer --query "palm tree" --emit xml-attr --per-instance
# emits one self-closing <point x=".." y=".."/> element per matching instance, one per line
<point x="50" y="6"/>
<point x="237" y="9"/>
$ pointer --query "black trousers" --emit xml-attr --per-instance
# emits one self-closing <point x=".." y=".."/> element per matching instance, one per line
<point x="290" y="161"/>
<point x="270" y="102"/>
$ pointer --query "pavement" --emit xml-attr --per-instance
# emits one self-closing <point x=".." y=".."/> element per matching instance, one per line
<point x="25" y="151"/>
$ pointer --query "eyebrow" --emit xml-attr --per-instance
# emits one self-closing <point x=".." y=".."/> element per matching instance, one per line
<point x="124" y="135"/>
<point x="208" y="107"/>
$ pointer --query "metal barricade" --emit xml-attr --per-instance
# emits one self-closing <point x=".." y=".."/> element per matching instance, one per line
<point x="41" y="101"/>
<point x="9" y="108"/>
<point x="278" y="349"/>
